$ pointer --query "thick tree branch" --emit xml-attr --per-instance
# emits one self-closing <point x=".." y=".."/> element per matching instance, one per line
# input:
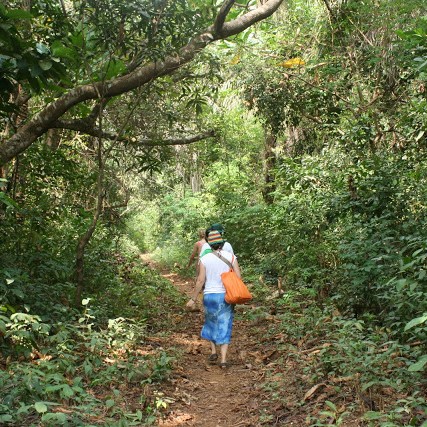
<point x="41" y="122"/>
<point x="240" y="24"/>
<point x="86" y="127"/>
<point x="175" y="141"/>
<point x="222" y="15"/>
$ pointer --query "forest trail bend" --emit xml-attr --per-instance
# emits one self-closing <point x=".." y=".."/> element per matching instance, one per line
<point x="204" y="394"/>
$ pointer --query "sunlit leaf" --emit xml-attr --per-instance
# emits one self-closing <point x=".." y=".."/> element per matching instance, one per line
<point x="416" y="321"/>
<point x="293" y="62"/>
<point x="419" y="365"/>
<point x="45" y="64"/>
<point x="40" y="407"/>
<point x="42" y="48"/>
<point x="235" y="60"/>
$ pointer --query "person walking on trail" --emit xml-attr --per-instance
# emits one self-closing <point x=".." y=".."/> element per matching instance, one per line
<point x="206" y="248"/>
<point x="219" y="314"/>
<point x="197" y="249"/>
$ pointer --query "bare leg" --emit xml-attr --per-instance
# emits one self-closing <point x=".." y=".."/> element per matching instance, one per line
<point x="213" y="348"/>
<point x="224" y="348"/>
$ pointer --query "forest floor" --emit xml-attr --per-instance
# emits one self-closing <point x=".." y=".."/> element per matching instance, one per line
<point x="259" y="388"/>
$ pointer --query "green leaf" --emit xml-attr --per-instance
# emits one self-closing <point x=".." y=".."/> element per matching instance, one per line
<point x="419" y="365"/>
<point x="400" y="284"/>
<point x="57" y="416"/>
<point x="77" y="39"/>
<point x="67" y="391"/>
<point x="42" y="48"/>
<point x="358" y="326"/>
<point x="61" y="51"/>
<point x="40" y="407"/>
<point x="45" y="64"/>
<point x="331" y="405"/>
<point x="24" y="409"/>
<point x="369" y="384"/>
<point x="110" y="403"/>
<point x="114" y="68"/>
<point x="85" y="301"/>
<point x="18" y="14"/>
<point x="416" y="321"/>
<point x="8" y="201"/>
<point x="18" y="293"/>
<point x="413" y="286"/>
<point x="51" y="388"/>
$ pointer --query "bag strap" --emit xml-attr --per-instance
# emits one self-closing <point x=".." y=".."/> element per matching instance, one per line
<point x="230" y="264"/>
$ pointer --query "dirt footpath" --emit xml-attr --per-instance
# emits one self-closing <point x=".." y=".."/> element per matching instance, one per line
<point x="203" y="394"/>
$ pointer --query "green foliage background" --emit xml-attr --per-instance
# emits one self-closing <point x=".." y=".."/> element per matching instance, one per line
<point x="345" y="228"/>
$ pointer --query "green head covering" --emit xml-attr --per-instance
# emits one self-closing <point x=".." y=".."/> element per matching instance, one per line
<point x="217" y="227"/>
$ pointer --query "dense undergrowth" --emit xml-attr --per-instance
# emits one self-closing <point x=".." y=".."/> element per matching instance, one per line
<point x="343" y="369"/>
<point x="64" y="366"/>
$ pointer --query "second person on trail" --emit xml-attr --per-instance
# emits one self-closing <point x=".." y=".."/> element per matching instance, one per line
<point x="218" y="313"/>
<point x="197" y="250"/>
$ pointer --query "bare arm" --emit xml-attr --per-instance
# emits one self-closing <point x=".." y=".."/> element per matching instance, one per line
<point x="236" y="268"/>
<point x="199" y="285"/>
<point x="193" y="254"/>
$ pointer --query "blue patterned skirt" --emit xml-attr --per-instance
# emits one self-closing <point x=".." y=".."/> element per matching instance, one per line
<point x="218" y="319"/>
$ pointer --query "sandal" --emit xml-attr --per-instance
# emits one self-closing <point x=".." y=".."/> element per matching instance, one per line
<point x="224" y="365"/>
<point x="213" y="357"/>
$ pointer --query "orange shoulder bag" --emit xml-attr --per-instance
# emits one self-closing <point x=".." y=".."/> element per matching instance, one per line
<point x="236" y="291"/>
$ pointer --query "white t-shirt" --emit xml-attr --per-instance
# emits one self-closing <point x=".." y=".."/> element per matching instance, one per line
<point x="214" y="268"/>
<point x="227" y="247"/>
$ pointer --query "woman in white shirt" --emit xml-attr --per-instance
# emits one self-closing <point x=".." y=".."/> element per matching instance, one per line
<point x="218" y="314"/>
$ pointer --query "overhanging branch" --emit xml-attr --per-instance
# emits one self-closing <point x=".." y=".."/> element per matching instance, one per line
<point x="175" y="141"/>
<point x="51" y="113"/>
<point x="87" y="128"/>
<point x="222" y="15"/>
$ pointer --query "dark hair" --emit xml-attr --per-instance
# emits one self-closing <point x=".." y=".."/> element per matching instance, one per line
<point x="216" y="246"/>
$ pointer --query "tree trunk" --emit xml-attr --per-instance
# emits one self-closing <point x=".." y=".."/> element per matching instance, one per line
<point x="269" y="167"/>
<point x="80" y="253"/>
<point x="85" y="238"/>
<point x="196" y="180"/>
